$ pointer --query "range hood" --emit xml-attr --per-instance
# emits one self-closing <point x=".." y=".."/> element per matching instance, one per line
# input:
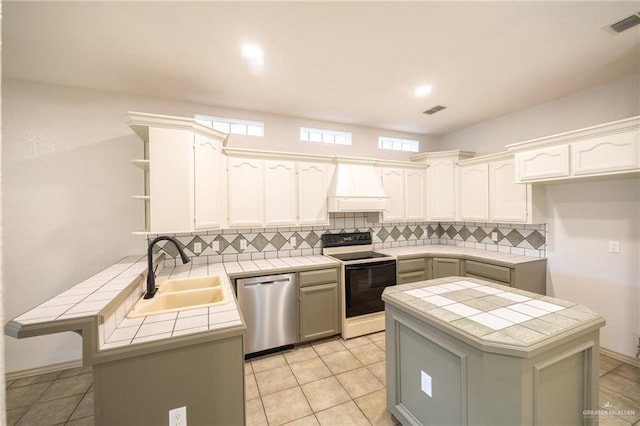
<point x="356" y="188"/>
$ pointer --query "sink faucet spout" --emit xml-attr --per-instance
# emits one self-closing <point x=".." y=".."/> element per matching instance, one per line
<point x="151" y="276"/>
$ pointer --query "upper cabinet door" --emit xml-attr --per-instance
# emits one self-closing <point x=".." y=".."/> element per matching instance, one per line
<point x="208" y="173"/>
<point x="393" y="184"/>
<point x="246" y="192"/>
<point x="605" y="154"/>
<point x="312" y="194"/>
<point x="414" y="195"/>
<point x="441" y="191"/>
<point x="280" y="193"/>
<point x="508" y="200"/>
<point x="474" y="192"/>
<point x="543" y="163"/>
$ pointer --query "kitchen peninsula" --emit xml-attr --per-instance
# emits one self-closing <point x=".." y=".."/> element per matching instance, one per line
<point x="464" y="350"/>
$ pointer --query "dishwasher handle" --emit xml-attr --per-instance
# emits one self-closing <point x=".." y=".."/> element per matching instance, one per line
<point x="284" y="280"/>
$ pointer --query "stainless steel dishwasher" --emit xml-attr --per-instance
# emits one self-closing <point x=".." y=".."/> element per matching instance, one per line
<point x="269" y="308"/>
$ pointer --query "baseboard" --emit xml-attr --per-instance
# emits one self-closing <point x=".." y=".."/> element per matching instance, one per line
<point x="14" y="375"/>
<point x="620" y="357"/>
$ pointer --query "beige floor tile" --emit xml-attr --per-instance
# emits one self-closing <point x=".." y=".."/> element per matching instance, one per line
<point x="275" y="380"/>
<point x="608" y="420"/>
<point x="248" y="368"/>
<point x="50" y="412"/>
<point x="374" y="407"/>
<point x="325" y="347"/>
<point x="250" y="388"/>
<point x="310" y="370"/>
<point x="24" y="396"/>
<point x="339" y="362"/>
<point x="368" y="354"/>
<point x="607" y="364"/>
<point x="14" y="415"/>
<point x="621" y="385"/>
<point x="40" y="378"/>
<point x="359" y="382"/>
<point x="85" y="408"/>
<point x="375" y="337"/>
<point x="620" y="402"/>
<point x="268" y="362"/>
<point x="356" y="341"/>
<point x="299" y="354"/>
<point x="305" y="421"/>
<point x="380" y="344"/>
<point x="73" y="385"/>
<point x="325" y="393"/>
<point x="343" y="414"/>
<point x="286" y="406"/>
<point x="76" y="372"/>
<point x="379" y="369"/>
<point x="255" y="413"/>
<point x="85" y="421"/>
<point x="629" y="371"/>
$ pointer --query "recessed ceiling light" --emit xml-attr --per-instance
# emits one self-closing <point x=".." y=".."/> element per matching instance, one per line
<point x="421" y="91"/>
<point x="251" y="51"/>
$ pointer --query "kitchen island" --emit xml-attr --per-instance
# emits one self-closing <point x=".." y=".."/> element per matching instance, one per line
<point x="468" y="351"/>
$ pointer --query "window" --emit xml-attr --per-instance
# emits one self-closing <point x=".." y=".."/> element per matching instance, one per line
<point x="233" y="125"/>
<point x="397" y="144"/>
<point x="325" y="136"/>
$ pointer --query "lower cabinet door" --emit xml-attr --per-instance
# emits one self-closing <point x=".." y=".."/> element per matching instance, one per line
<point x="443" y="267"/>
<point x="319" y="311"/>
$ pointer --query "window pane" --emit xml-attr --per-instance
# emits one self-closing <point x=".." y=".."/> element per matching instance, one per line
<point x="328" y="138"/>
<point x="223" y="127"/>
<point x="239" y="129"/>
<point x="255" y="130"/>
<point x="315" y="137"/>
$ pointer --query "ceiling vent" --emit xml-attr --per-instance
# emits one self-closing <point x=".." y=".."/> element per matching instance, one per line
<point x="433" y="110"/>
<point x="626" y="23"/>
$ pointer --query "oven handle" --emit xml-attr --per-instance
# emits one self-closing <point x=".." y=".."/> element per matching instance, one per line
<point x="371" y="265"/>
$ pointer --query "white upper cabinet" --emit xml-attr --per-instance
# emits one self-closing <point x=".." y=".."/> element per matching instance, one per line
<point x="210" y="205"/>
<point x="312" y="194"/>
<point x="605" y="149"/>
<point x="246" y="192"/>
<point x="280" y="193"/>
<point x="415" y="193"/>
<point x="394" y="186"/>
<point x="183" y="173"/>
<point x="487" y="192"/>
<point x="473" y="192"/>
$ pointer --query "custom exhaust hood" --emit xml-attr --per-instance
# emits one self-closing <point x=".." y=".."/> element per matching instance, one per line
<point x="356" y="188"/>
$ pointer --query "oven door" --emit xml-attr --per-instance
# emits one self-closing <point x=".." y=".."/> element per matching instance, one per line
<point x="364" y="284"/>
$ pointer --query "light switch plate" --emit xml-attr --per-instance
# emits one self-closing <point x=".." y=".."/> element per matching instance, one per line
<point x="425" y="384"/>
<point x="494" y="236"/>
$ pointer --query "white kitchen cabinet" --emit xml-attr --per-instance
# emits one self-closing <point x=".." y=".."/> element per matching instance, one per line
<point x="441" y="182"/>
<point x="415" y="195"/>
<point x="312" y="194"/>
<point x="280" y="192"/>
<point x="210" y="205"/>
<point x="606" y="154"/>
<point x="393" y="183"/>
<point x="183" y="173"/>
<point x="606" y="149"/>
<point x="487" y="192"/>
<point x="473" y="192"/>
<point x="246" y="192"/>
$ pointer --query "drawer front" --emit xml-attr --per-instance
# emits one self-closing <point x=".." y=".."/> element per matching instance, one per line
<point x="486" y="270"/>
<point x="545" y="163"/>
<point x="411" y="265"/>
<point x="605" y="154"/>
<point x="411" y="277"/>
<point x="321" y="276"/>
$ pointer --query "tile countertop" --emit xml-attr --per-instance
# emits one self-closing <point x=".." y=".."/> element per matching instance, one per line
<point x="491" y="317"/>
<point x="107" y="297"/>
<point x="504" y="259"/>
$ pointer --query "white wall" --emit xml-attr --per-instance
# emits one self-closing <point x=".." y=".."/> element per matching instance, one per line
<point x="582" y="215"/>
<point x="67" y="182"/>
<point x="613" y="101"/>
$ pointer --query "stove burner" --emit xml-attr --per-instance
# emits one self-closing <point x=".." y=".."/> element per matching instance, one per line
<point x="358" y="255"/>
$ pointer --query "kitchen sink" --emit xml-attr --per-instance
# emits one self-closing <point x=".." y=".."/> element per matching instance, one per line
<point x="189" y="284"/>
<point x="181" y="294"/>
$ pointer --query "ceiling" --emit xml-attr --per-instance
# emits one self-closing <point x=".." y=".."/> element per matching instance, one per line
<point x="350" y="62"/>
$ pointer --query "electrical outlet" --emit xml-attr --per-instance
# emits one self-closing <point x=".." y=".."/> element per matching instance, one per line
<point x="425" y="383"/>
<point x="215" y="245"/>
<point x="197" y="248"/>
<point x="614" y="246"/>
<point x="292" y="241"/>
<point x="494" y="236"/>
<point x="243" y="244"/>
<point x="178" y="416"/>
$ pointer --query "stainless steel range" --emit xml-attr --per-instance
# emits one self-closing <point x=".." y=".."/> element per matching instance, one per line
<point x="365" y="274"/>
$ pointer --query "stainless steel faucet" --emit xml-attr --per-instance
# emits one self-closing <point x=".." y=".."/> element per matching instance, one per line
<point x="151" y="276"/>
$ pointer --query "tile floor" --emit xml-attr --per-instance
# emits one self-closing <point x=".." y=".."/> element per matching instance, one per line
<point x="330" y="382"/>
